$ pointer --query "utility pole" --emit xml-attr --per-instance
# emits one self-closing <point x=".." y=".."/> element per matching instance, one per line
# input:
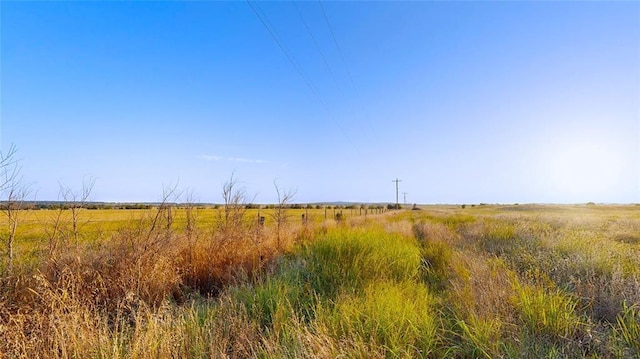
<point x="397" y="181"/>
<point x="405" y="197"/>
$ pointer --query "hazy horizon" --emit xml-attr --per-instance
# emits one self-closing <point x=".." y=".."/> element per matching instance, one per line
<point x="465" y="102"/>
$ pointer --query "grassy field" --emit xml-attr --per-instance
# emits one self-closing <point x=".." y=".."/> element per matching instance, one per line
<point x="97" y="225"/>
<point x="484" y="281"/>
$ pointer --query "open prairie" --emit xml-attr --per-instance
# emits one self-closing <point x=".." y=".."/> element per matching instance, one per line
<point x="329" y="114"/>
<point x="444" y="281"/>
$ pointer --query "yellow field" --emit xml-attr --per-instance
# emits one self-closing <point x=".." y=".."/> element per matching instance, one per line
<point x="35" y="226"/>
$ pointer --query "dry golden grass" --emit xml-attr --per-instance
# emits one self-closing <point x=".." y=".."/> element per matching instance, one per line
<point x="78" y="299"/>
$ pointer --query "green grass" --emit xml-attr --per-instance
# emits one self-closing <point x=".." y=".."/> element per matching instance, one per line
<point x="347" y="260"/>
<point x="628" y="327"/>
<point x="547" y="313"/>
<point x="480" y="337"/>
<point x="357" y="284"/>
<point x="400" y="317"/>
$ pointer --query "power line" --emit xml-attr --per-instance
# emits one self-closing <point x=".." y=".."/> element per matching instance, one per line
<point x="335" y="41"/>
<point x="315" y="42"/>
<point x="397" y="181"/>
<point x="276" y="38"/>
<point x="344" y="63"/>
<point x="274" y="34"/>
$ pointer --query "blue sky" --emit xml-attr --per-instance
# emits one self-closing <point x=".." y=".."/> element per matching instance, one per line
<point x="465" y="102"/>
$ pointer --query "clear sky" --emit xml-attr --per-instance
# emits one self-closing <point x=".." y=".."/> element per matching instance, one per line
<point x="465" y="102"/>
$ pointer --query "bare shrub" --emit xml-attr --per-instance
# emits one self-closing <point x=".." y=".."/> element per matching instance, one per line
<point x="75" y="201"/>
<point x="14" y="192"/>
<point x="280" y="215"/>
<point x="230" y="221"/>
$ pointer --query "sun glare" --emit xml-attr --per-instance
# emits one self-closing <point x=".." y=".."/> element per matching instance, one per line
<point x="584" y="167"/>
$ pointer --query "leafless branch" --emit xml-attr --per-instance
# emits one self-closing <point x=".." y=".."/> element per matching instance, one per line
<point x="280" y="215"/>
<point x="235" y="200"/>
<point x="76" y="201"/>
<point x="9" y="168"/>
<point x="14" y="193"/>
<point x="169" y="194"/>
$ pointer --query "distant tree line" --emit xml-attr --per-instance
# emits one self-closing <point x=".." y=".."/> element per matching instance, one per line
<point x="34" y="205"/>
<point x="44" y="205"/>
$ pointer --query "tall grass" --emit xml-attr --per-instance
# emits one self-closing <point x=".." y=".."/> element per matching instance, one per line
<point x="480" y="337"/>
<point x="479" y="282"/>
<point x="547" y="313"/>
<point x="116" y="285"/>
<point x="628" y="327"/>
<point x="347" y="260"/>
<point x="400" y="317"/>
<point x="355" y="286"/>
